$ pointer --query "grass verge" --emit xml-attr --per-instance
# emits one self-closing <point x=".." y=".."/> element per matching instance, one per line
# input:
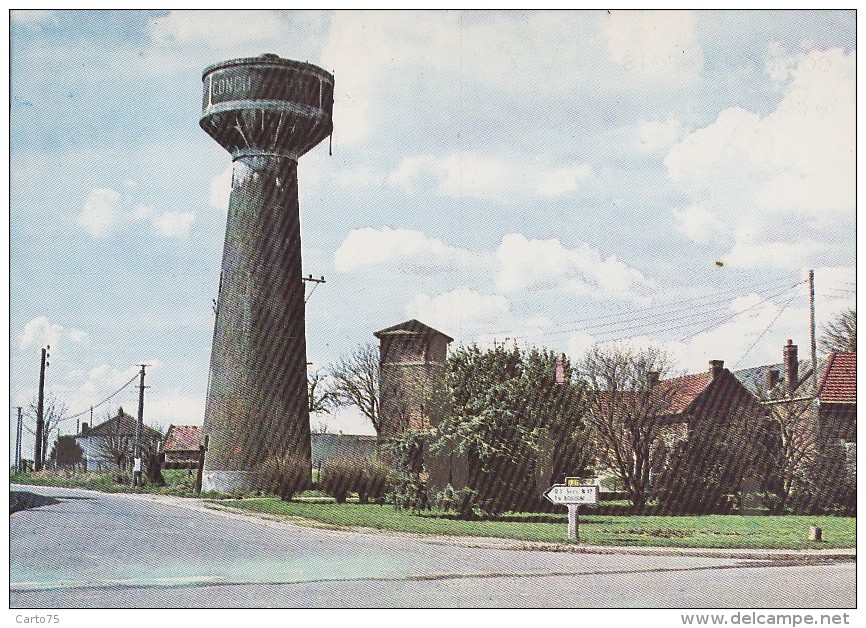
<point x="178" y="481"/>
<point x="708" y="531"/>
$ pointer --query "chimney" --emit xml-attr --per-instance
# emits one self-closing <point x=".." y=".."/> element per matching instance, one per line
<point x="84" y="428"/>
<point x="789" y="359"/>
<point x="716" y="367"/>
<point x="772" y="379"/>
<point x="652" y="378"/>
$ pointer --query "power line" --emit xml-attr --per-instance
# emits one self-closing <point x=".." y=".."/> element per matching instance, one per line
<point x="741" y="312"/>
<point x="761" y="335"/>
<point x="104" y="401"/>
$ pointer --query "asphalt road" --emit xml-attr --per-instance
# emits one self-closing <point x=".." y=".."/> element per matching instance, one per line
<point x="80" y="549"/>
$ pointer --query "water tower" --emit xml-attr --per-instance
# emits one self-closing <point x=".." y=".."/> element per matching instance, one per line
<point x="267" y="112"/>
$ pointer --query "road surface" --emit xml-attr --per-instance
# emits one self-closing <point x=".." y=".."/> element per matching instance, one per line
<point x="79" y="549"/>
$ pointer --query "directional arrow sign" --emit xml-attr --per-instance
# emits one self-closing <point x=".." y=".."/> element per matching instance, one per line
<point x="562" y="494"/>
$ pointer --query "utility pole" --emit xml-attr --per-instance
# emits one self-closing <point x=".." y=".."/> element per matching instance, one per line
<point x="139" y="425"/>
<point x="316" y="283"/>
<point x="40" y="408"/>
<point x="812" y="330"/>
<point x="18" y="442"/>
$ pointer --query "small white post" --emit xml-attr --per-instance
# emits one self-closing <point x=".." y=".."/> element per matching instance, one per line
<point x="573" y="519"/>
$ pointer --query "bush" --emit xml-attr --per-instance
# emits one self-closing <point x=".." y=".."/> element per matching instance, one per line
<point x="284" y="475"/>
<point x="375" y="482"/>
<point x="341" y="476"/>
<point x="408" y="476"/>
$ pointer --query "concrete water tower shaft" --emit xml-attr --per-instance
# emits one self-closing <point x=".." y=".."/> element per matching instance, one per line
<point x="267" y="112"/>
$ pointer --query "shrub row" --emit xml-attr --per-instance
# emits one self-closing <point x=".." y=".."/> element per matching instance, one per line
<point x="368" y="478"/>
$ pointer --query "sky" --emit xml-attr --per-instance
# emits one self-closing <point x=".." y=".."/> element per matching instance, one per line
<point x="542" y="179"/>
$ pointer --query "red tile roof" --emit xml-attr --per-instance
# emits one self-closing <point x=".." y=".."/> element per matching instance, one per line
<point x="839" y="380"/>
<point x="684" y="390"/>
<point x="182" y="438"/>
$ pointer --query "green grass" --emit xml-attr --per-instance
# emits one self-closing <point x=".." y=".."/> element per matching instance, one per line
<point x="178" y="481"/>
<point x="709" y="531"/>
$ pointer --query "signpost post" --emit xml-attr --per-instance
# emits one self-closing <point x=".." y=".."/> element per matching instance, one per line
<point x="572" y="494"/>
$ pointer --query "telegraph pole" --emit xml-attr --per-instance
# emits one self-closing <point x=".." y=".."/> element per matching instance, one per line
<point x="315" y="283"/>
<point x="40" y="408"/>
<point x="139" y="424"/>
<point x="812" y="330"/>
<point x="18" y="442"/>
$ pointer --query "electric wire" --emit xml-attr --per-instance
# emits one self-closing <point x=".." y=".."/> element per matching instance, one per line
<point x="766" y="329"/>
<point x="104" y="401"/>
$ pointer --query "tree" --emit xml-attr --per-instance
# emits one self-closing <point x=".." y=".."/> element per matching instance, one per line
<point x="53" y="414"/>
<point x="320" y="396"/>
<point x="66" y="452"/>
<point x="516" y="425"/>
<point x="355" y="382"/>
<point x="793" y="447"/>
<point x="840" y="334"/>
<point x="625" y="410"/>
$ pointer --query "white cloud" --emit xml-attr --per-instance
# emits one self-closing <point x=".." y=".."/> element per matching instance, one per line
<point x="547" y="265"/>
<point x="221" y="189"/>
<point x="100" y="212"/>
<point x="174" y="406"/>
<point x="32" y="17"/>
<point x="40" y="332"/>
<point x="660" y="46"/>
<point x="472" y="316"/>
<point x="404" y="249"/>
<point x="455" y="309"/>
<point x="697" y="223"/>
<point x="653" y="135"/>
<point x="105" y="210"/>
<point x="216" y="28"/>
<point x="473" y="175"/>
<point x="781" y="186"/>
<point x="78" y="335"/>
<point x="174" y="224"/>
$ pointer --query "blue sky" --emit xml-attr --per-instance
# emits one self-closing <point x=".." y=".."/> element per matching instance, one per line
<point x="551" y="179"/>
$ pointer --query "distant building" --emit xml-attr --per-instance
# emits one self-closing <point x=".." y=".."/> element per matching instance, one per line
<point x="180" y="447"/>
<point x="329" y="446"/>
<point x="412" y="364"/>
<point x="837" y="425"/>
<point x="837" y="399"/>
<point x="109" y="445"/>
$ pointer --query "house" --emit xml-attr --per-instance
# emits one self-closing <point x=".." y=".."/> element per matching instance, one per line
<point x="180" y="447"/>
<point x="715" y="395"/>
<point x="837" y="399"/>
<point x="819" y="414"/>
<point x="701" y="424"/>
<point x="109" y="445"/>
<point x="837" y="429"/>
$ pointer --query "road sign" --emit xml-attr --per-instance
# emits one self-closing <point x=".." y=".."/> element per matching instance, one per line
<point x="562" y="494"/>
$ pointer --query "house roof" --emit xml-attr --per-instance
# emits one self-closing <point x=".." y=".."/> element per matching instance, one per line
<point x="182" y="438"/>
<point x="684" y="390"/>
<point x="675" y="396"/>
<point x="838" y="382"/>
<point x="411" y="328"/>
<point x="122" y="423"/>
<point x="755" y="378"/>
